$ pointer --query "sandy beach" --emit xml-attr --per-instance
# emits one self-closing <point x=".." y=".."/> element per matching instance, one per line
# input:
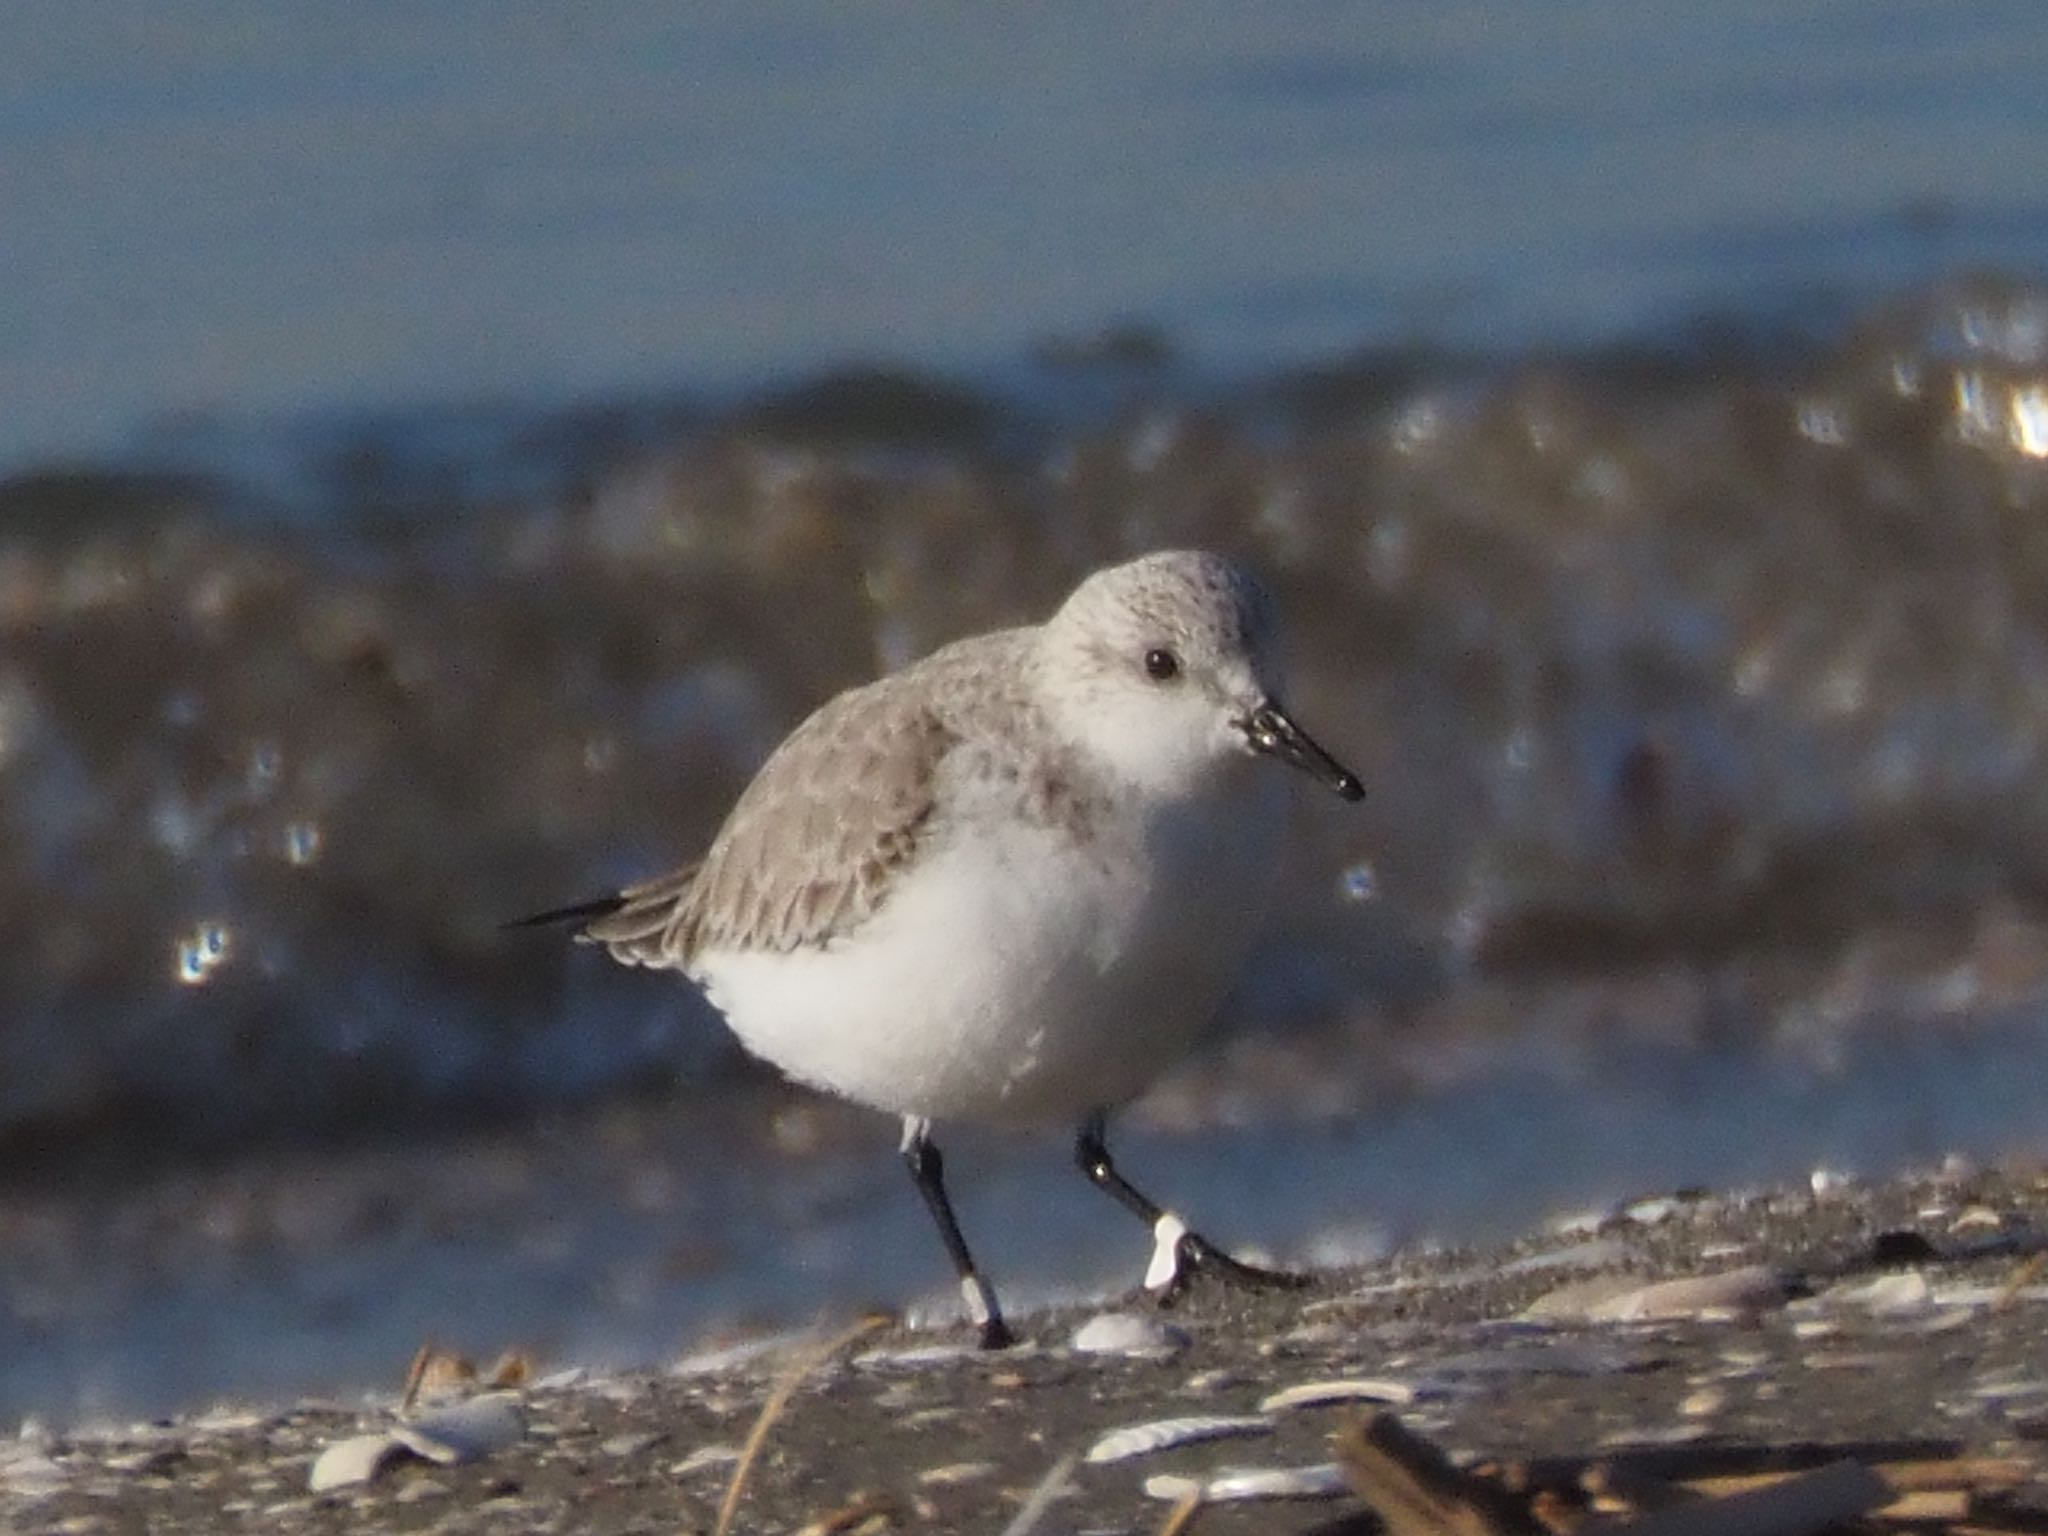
<point x="1890" y="1323"/>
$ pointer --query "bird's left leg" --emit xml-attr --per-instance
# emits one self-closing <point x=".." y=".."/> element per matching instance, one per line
<point x="928" y="1172"/>
<point x="1178" y="1254"/>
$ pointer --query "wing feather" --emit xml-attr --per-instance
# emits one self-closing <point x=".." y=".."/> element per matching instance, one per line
<point x="810" y="848"/>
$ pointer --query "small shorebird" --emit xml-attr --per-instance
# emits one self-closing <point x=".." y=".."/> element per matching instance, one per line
<point x="1010" y="882"/>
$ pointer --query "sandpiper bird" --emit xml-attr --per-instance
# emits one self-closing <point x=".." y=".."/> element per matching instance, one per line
<point x="1010" y="882"/>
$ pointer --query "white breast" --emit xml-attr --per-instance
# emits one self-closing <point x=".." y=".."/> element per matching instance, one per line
<point x="1018" y="974"/>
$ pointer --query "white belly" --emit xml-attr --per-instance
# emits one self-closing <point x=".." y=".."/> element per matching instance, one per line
<point x="1017" y="977"/>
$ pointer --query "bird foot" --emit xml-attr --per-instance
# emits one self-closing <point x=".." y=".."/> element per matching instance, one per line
<point x="1179" y="1255"/>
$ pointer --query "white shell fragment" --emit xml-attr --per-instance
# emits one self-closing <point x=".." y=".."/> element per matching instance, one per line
<point x="352" y="1461"/>
<point x="1595" y="1254"/>
<point x="1357" y="1389"/>
<point x="1128" y="1333"/>
<point x="1321" y="1481"/>
<point x="463" y="1432"/>
<point x="705" y="1456"/>
<point x="917" y="1356"/>
<point x="1886" y="1296"/>
<point x="953" y="1474"/>
<point x="1654" y="1211"/>
<point x="1620" y="1299"/>
<point x="1163" y="1434"/>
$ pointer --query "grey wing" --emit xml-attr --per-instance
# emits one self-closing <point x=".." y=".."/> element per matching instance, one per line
<point x="810" y="849"/>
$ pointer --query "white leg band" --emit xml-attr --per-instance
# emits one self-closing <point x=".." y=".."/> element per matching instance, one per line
<point x="1164" y="1269"/>
<point x="976" y="1296"/>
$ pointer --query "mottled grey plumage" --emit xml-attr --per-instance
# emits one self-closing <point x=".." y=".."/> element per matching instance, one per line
<point x="814" y="842"/>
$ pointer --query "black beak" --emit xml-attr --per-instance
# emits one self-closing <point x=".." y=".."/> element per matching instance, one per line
<point x="1270" y="731"/>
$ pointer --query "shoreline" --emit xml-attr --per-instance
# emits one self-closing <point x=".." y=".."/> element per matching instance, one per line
<point x="1903" y="1312"/>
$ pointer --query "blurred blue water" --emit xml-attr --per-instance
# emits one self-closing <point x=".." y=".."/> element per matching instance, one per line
<point x="247" y="210"/>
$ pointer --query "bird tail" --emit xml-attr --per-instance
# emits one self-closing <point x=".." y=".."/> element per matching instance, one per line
<point x="582" y="911"/>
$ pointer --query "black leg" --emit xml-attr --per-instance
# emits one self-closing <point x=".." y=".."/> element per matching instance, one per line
<point x="928" y="1172"/>
<point x="1177" y="1253"/>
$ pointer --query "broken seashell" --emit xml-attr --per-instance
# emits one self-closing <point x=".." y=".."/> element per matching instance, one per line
<point x="1885" y="1296"/>
<point x="1128" y="1333"/>
<point x="1163" y="1434"/>
<point x="352" y="1461"/>
<point x="1622" y="1299"/>
<point x="1321" y="1481"/>
<point x="705" y="1456"/>
<point x="1357" y="1389"/>
<point x="463" y="1432"/>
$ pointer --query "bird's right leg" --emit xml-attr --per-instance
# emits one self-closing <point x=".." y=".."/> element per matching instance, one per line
<point x="1177" y="1253"/>
<point x="928" y="1172"/>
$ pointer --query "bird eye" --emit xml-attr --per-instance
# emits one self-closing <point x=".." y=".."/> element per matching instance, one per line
<point x="1162" y="666"/>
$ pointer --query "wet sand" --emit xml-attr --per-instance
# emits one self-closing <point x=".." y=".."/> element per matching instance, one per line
<point x="1891" y="1322"/>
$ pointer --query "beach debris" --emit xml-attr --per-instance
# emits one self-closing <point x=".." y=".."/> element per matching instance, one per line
<point x="461" y="1427"/>
<point x="418" y="1490"/>
<point x="463" y="1432"/>
<point x="778" y="1400"/>
<point x="1653" y="1210"/>
<point x="226" y="1418"/>
<point x="1653" y="1489"/>
<point x="437" y="1373"/>
<point x="1738" y="1292"/>
<point x="1053" y="1485"/>
<point x="1703" y="1402"/>
<point x="1352" y="1389"/>
<point x="863" y="1514"/>
<point x="1132" y="1334"/>
<point x="1641" y="1436"/>
<point x="1892" y="1295"/>
<point x="450" y="1436"/>
<point x="1233" y="1485"/>
<point x="918" y="1357"/>
<point x="954" y="1473"/>
<point x="357" y="1459"/>
<point x="716" y="1455"/>
<point x="2007" y="1385"/>
<point x="1415" y="1490"/>
<point x="1157" y="1435"/>
<point x="1598" y="1253"/>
